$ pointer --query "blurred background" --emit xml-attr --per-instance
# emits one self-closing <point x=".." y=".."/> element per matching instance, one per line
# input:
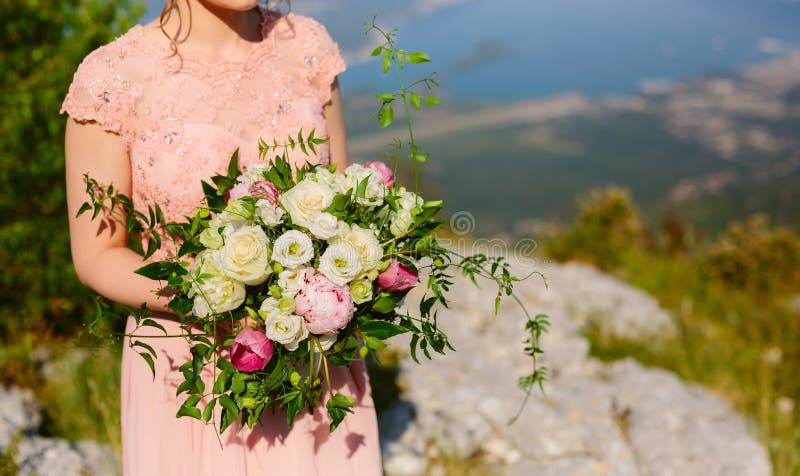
<point x="655" y="141"/>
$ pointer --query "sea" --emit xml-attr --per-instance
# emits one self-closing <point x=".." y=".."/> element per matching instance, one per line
<point x="505" y="50"/>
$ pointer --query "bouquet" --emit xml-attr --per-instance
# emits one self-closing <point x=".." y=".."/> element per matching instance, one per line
<point x="283" y="272"/>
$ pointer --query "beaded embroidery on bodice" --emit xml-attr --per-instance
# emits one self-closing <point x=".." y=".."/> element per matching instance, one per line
<point x="181" y="118"/>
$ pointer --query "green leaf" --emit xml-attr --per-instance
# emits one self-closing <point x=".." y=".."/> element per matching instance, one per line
<point x="413" y="347"/>
<point x="83" y="209"/>
<point x="220" y="385"/>
<point x="418" y="57"/>
<point x="374" y="343"/>
<point x="189" y="411"/>
<point x="377" y="51"/>
<point x="149" y="359"/>
<point x="386" y="116"/>
<point x="421" y="158"/>
<point x="426" y="304"/>
<point x="225" y="364"/>
<point x="385" y="97"/>
<point x="238" y="383"/>
<point x="385" y="304"/>
<point x="152" y="323"/>
<point x="160" y="270"/>
<point x="338" y="407"/>
<point x="228" y="404"/>
<point x="386" y="64"/>
<point x="381" y="329"/>
<point x="361" y="191"/>
<point x="208" y="411"/>
<point x="295" y="406"/>
<point x="413" y="98"/>
<point x="145" y="346"/>
<point x="431" y="101"/>
<point x="233" y="165"/>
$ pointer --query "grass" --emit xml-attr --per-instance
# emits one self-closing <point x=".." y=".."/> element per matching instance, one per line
<point x="744" y="347"/>
<point x="78" y="388"/>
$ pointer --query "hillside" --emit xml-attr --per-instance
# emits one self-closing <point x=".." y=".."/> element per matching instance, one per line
<point x="713" y="148"/>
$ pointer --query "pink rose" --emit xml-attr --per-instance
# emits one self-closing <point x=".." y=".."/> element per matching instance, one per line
<point x="397" y="276"/>
<point x="264" y="189"/>
<point x="387" y="177"/>
<point x="251" y="350"/>
<point x="241" y="188"/>
<point x="326" y="306"/>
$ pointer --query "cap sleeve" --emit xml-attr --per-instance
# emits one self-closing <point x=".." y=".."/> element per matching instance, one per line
<point x="326" y="60"/>
<point x="99" y="94"/>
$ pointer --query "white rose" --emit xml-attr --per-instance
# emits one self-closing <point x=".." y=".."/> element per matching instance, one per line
<point x="373" y="193"/>
<point x="236" y="211"/>
<point x="293" y="248"/>
<point x="271" y="305"/>
<point x="401" y="221"/>
<point x="322" y="225"/>
<point x="329" y="179"/>
<point x="255" y="172"/>
<point x="327" y="341"/>
<point x="339" y="263"/>
<point x="408" y="200"/>
<point x="269" y="213"/>
<point x="288" y="330"/>
<point x="356" y="173"/>
<point x="213" y="294"/>
<point x="218" y="222"/>
<point x="290" y="280"/>
<point x="210" y="238"/>
<point x="361" y="290"/>
<point x="244" y="256"/>
<point x="364" y="241"/>
<point x="306" y="198"/>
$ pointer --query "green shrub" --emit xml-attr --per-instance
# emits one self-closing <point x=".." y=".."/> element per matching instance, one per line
<point x="43" y="43"/>
<point x="607" y="225"/>
<point x="756" y="257"/>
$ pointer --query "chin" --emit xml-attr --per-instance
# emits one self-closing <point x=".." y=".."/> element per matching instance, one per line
<point x="240" y="5"/>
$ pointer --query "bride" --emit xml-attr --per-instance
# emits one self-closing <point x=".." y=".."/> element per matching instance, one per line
<point x="154" y="112"/>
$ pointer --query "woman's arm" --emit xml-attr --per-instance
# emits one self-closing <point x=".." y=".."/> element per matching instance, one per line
<point x="334" y="119"/>
<point x="100" y="254"/>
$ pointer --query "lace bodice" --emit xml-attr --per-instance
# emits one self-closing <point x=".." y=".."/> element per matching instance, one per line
<point x="181" y="117"/>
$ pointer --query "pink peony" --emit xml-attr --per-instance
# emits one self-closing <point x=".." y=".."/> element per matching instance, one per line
<point x="251" y="350"/>
<point x="240" y="189"/>
<point x="397" y="277"/>
<point x="264" y="189"/>
<point x="326" y="306"/>
<point x="387" y="177"/>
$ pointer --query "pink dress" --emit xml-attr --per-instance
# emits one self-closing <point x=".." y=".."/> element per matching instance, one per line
<point x="180" y="120"/>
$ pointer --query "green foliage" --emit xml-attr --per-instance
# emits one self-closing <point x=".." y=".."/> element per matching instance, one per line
<point x="395" y="58"/>
<point x="80" y="396"/>
<point x="753" y="256"/>
<point x="43" y="43"/>
<point x="607" y="225"/>
<point x="8" y="457"/>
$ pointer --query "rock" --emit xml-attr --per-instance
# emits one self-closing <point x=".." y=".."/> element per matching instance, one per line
<point x="596" y="419"/>
<point x="57" y="457"/>
<point x="19" y="414"/>
<point x="593" y="297"/>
